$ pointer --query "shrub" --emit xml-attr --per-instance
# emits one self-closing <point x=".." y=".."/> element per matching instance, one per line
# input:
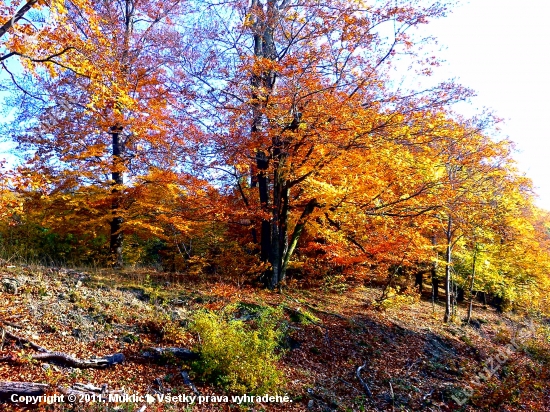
<point x="395" y="298"/>
<point x="238" y="356"/>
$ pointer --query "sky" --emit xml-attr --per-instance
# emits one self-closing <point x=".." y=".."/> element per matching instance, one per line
<point x="501" y="49"/>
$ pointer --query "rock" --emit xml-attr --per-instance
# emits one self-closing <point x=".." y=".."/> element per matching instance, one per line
<point x="130" y="338"/>
<point x="10" y="285"/>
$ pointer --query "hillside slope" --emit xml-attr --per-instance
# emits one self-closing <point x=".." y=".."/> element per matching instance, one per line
<point x="341" y="350"/>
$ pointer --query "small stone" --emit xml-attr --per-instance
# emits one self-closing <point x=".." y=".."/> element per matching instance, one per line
<point x="10" y="285"/>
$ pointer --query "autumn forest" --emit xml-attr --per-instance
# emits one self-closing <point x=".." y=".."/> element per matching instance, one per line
<point x="262" y="147"/>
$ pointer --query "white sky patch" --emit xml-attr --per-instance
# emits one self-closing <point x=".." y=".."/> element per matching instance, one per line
<point x="501" y="49"/>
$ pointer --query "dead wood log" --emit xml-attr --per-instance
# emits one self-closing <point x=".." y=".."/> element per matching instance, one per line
<point x="7" y="389"/>
<point x="363" y="383"/>
<point x="328" y="404"/>
<point x="63" y="359"/>
<point x="67" y="360"/>
<point x="160" y="354"/>
<point x="13" y="325"/>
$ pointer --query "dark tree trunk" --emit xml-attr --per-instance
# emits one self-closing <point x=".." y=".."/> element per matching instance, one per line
<point x="308" y="210"/>
<point x="460" y="294"/>
<point x="271" y="179"/>
<point x="262" y="165"/>
<point x="435" y="288"/>
<point x="419" y="278"/>
<point x="472" y="293"/>
<point x="273" y="232"/>
<point x="448" y="260"/>
<point x="117" y="236"/>
<point x="482" y="297"/>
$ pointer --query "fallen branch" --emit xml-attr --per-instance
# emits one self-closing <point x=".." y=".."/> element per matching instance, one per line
<point x="61" y="358"/>
<point x="363" y="383"/>
<point x="428" y="395"/>
<point x="13" y="325"/>
<point x="328" y="404"/>
<point x="188" y="382"/>
<point x="349" y="384"/>
<point x="158" y="354"/>
<point x="24" y="341"/>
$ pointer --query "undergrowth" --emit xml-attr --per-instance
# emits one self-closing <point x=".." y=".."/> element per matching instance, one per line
<point x="237" y="355"/>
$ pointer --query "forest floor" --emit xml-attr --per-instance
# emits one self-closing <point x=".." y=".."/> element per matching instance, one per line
<point x="411" y="360"/>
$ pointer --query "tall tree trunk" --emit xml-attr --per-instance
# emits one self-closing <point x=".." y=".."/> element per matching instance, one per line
<point x="460" y="292"/>
<point x="262" y="165"/>
<point x="435" y="279"/>
<point x="448" y="259"/>
<point x="275" y="252"/>
<point x="273" y="186"/>
<point x="271" y="246"/>
<point x="117" y="237"/>
<point x="419" y="278"/>
<point x="435" y="287"/>
<point x="308" y="210"/>
<point x="283" y="232"/>
<point x="472" y="280"/>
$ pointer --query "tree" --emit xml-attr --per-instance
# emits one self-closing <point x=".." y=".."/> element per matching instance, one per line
<point x="470" y="169"/>
<point x="289" y="88"/>
<point x="111" y="113"/>
<point x="37" y="32"/>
